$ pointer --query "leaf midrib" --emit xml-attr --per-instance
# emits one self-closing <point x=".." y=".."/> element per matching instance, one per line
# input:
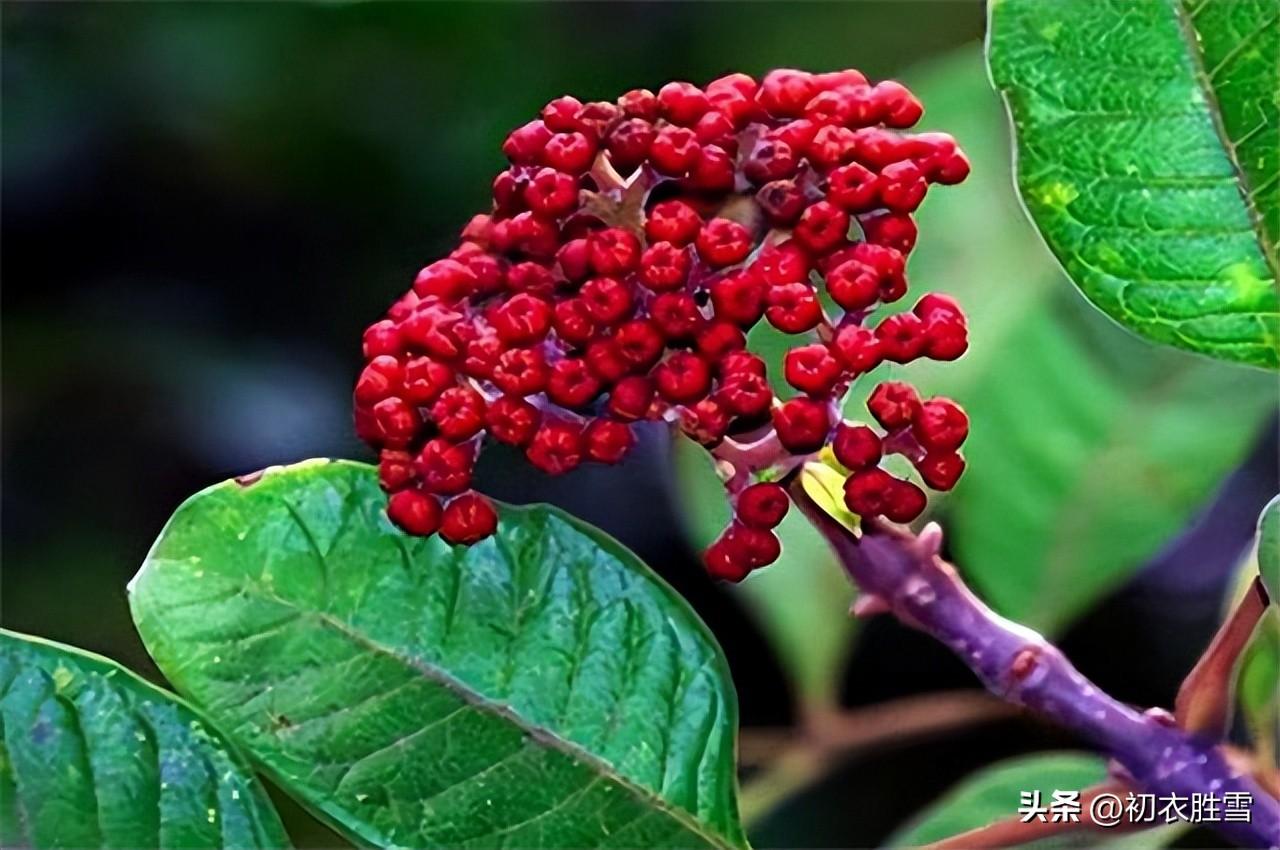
<point x="542" y="735"/>
<point x="1191" y="40"/>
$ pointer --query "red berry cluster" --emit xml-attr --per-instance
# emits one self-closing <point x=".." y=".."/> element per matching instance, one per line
<point x="630" y="247"/>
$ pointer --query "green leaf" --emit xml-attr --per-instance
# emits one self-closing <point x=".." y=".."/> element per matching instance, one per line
<point x="93" y="756"/>
<point x="994" y="793"/>
<point x="1148" y="151"/>
<point x="1089" y="448"/>
<point x="801" y="602"/>
<point x="1269" y="548"/>
<point x="540" y="689"/>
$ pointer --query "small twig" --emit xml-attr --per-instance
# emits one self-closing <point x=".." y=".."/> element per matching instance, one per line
<point x="1020" y="666"/>
<point x="1205" y="700"/>
<point x="796" y="758"/>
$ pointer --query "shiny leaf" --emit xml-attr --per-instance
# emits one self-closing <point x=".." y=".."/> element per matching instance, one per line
<point x="540" y="689"/>
<point x="1148" y="155"/>
<point x="1088" y="450"/>
<point x="93" y="756"/>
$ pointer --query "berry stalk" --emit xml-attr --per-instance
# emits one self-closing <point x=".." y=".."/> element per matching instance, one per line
<point x="901" y="573"/>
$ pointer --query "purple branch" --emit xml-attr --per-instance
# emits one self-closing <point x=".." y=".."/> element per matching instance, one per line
<point x="903" y="573"/>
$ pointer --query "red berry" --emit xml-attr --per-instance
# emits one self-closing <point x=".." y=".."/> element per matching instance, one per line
<point x="639" y="103"/>
<point x="444" y="467"/>
<point x="512" y="420"/>
<point x="758" y="545"/>
<point x="782" y="202"/>
<point x="945" y="340"/>
<point x="832" y="146"/>
<point x="904" y="502"/>
<point x="522" y="320"/>
<point x="867" y="492"/>
<point x="664" y="267"/>
<point x="802" y="424"/>
<point x="614" y="251"/>
<point x="396" y="421"/>
<point x="941" y="470"/>
<point x="793" y="307"/>
<point x="936" y="306"/>
<point x="561" y="114"/>
<point x="551" y="193"/>
<point x="723" y="242"/>
<point x="811" y="369"/>
<point x="630" y="398"/>
<point x="482" y="356"/>
<point x="571" y="153"/>
<point x="431" y="329"/>
<point x="785" y="92"/>
<point x="606" y="360"/>
<point x="521" y="371"/>
<point x="739" y="298"/>
<point x="940" y="425"/>
<point x="682" y="378"/>
<point x="902" y="187"/>
<point x="607" y="299"/>
<point x="468" y="519"/>
<point x="853" y="188"/>
<point x="672" y="221"/>
<point x="856" y="446"/>
<point x="853" y="285"/>
<point x="682" y="103"/>
<point x="894" y="404"/>
<point x="781" y="263"/>
<point x="763" y="505"/>
<point x="897" y="106"/>
<point x="895" y="230"/>
<point x="574" y="259"/>
<point x="674" y="151"/>
<point x="726" y="562"/>
<point x="395" y="470"/>
<point x="734" y="362"/>
<point x="628" y="143"/>
<point x="525" y="144"/>
<point x="745" y="394"/>
<point x="705" y="422"/>
<point x="772" y="159"/>
<point x="718" y="338"/>
<point x="821" y="228"/>
<point x="414" y="512"/>
<point x="572" y="383"/>
<point x="676" y="315"/>
<point x="381" y="378"/>
<point x="639" y="344"/>
<point x="572" y="321"/>
<point x="858" y="348"/>
<point x="425" y="379"/>
<point x="607" y="441"/>
<point x="382" y="338"/>
<point x="556" y="448"/>
<point x="713" y="171"/>
<point x="458" y="413"/>
<point x="902" y="337"/>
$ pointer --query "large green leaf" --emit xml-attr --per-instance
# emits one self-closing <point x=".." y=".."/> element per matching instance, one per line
<point x="92" y="756"/>
<point x="540" y="689"/>
<point x="1089" y="449"/>
<point x="1148" y="154"/>
<point x="994" y="793"/>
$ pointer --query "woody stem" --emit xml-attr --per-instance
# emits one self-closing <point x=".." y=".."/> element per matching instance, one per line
<point x="923" y="591"/>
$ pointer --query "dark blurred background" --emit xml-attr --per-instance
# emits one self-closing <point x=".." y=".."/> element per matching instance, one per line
<point x="203" y="206"/>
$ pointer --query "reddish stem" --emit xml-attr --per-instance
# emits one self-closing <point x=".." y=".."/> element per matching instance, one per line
<point x="1020" y="666"/>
